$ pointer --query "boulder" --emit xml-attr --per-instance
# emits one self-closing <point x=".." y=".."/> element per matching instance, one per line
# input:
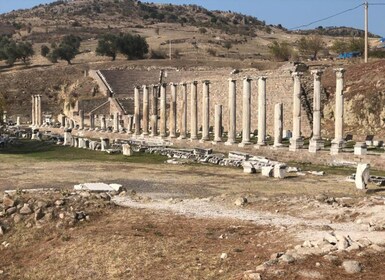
<point x="241" y="201"/>
<point x="25" y="210"/>
<point x="352" y="267"/>
<point x="8" y="202"/>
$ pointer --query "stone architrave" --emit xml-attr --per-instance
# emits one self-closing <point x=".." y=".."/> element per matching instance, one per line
<point x="81" y="115"/>
<point x="296" y="141"/>
<point x="194" y="111"/>
<point x="218" y="124"/>
<point x="278" y="125"/>
<point x="145" y="110"/>
<point x="261" y="112"/>
<point x="205" y="111"/>
<point x="316" y="142"/>
<point x="362" y="176"/>
<point x="130" y="121"/>
<point x="183" y="128"/>
<point x="137" y="110"/>
<point x="163" y="114"/>
<point x="173" y="110"/>
<point x="246" y="112"/>
<point x="154" y="111"/>
<point x="116" y="122"/>
<point x="338" y="141"/>
<point x="231" y="135"/>
<point x="33" y="111"/>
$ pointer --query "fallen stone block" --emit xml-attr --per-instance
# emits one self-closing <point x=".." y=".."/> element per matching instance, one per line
<point x="280" y="171"/>
<point x="267" y="171"/>
<point x="362" y="176"/>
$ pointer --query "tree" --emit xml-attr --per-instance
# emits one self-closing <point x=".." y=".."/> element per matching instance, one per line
<point x="340" y="46"/>
<point x="25" y="51"/>
<point x="357" y="45"/>
<point x="280" y="51"/>
<point x="311" y="45"/>
<point x="132" y="46"/>
<point x="108" y="46"/>
<point x="44" y="50"/>
<point x="67" y="49"/>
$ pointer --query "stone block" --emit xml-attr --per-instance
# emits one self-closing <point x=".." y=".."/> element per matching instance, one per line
<point x="362" y="176"/>
<point x="127" y="150"/>
<point x="360" y="148"/>
<point x="280" y="171"/>
<point x="267" y="171"/>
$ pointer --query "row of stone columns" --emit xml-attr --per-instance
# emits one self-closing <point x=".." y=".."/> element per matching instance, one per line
<point x="37" y="118"/>
<point x="149" y="118"/>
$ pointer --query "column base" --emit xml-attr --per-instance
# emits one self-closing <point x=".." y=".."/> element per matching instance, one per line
<point x="244" y="144"/>
<point x="181" y="137"/>
<point x="316" y="145"/>
<point x="203" y="140"/>
<point x="277" y="145"/>
<point x="337" y="146"/>
<point x="230" y="143"/>
<point x="295" y="145"/>
<point x="216" y="142"/>
<point x="259" y="145"/>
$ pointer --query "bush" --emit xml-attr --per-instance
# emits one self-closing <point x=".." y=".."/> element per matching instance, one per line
<point x="212" y="52"/>
<point x="132" y="46"/>
<point x="377" y="54"/>
<point x="158" y="54"/>
<point x="280" y="51"/>
<point x="44" y="51"/>
<point x="202" y="30"/>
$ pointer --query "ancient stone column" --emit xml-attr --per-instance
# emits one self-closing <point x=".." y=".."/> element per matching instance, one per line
<point x="183" y="128"/>
<point x="103" y="125"/>
<point x="338" y="141"/>
<point x="18" y="121"/>
<point x="92" y="121"/>
<point x="116" y="122"/>
<point x="205" y="111"/>
<point x="154" y="110"/>
<point x="39" y="111"/>
<point x="173" y="110"/>
<point x="296" y="141"/>
<point x="81" y="115"/>
<point x="316" y="142"/>
<point x="194" y="111"/>
<point x="218" y="124"/>
<point x="36" y="110"/>
<point x="261" y="111"/>
<point x="163" y="117"/>
<point x="278" y="124"/>
<point x="246" y="114"/>
<point x="231" y="137"/>
<point x="137" y="110"/>
<point x="33" y="111"/>
<point x="130" y="121"/>
<point x="145" y="123"/>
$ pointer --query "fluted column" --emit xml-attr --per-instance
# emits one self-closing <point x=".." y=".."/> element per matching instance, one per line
<point x="137" y="110"/>
<point x="163" y="117"/>
<point x="232" y="130"/>
<point x="173" y="110"/>
<point x="296" y="141"/>
<point x="316" y="142"/>
<point x="154" y="110"/>
<point x="205" y="111"/>
<point x="218" y="124"/>
<point x="116" y="122"/>
<point x="33" y="111"/>
<point x="261" y="111"/>
<point x="145" y="123"/>
<point x="278" y="124"/>
<point x="246" y="113"/>
<point x="194" y="111"/>
<point x="183" y="128"/>
<point x="338" y="141"/>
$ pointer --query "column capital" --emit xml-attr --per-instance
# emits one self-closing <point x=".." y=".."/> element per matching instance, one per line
<point x="173" y="84"/>
<point x="263" y="78"/>
<point x="183" y="83"/>
<point x="296" y="74"/>
<point x="206" y="82"/>
<point x="194" y="83"/>
<point x="232" y="80"/>
<point x="137" y="87"/>
<point x="163" y="85"/>
<point x="317" y="73"/>
<point x="339" y="72"/>
<point x="145" y="86"/>
<point x="248" y="79"/>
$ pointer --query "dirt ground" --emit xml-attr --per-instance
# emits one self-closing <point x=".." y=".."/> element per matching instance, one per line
<point x="180" y="222"/>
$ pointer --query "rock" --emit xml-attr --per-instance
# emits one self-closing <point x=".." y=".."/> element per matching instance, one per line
<point x="17" y="218"/>
<point x="310" y="274"/>
<point x="42" y="204"/>
<point x="8" y="202"/>
<point x="241" y="201"/>
<point x="252" y="275"/>
<point x="352" y="267"/>
<point x="287" y="258"/>
<point x="11" y="210"/>
<point x="276" y="255"/>
<point x="59" y="202"/>
<point x="1" y="230"/>
<point x="342" y="244"/>
<point x="48" y="217"/>
<point x="25" y="210"/>
<point x="362" y="176"/>
<point x="85" y="194"/>
<point x="39" y="214"/>
<point x="330" y="258"/>
<point x="377" y="248"/>
<point x="321" y="197"/>
<point x="330" y="237"/>
<point x="224" y="256"/>
<point x="267" y="171"/>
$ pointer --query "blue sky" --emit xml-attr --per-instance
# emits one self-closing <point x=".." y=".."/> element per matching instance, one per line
<point x="289" y="13"/>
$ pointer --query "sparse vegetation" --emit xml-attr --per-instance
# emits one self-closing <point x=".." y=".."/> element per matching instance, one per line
<point x="280" y="51"/>
<point x="354" y="44"/>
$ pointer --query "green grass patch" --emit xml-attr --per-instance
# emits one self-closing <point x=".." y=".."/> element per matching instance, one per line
<point x="45" y="151"/>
